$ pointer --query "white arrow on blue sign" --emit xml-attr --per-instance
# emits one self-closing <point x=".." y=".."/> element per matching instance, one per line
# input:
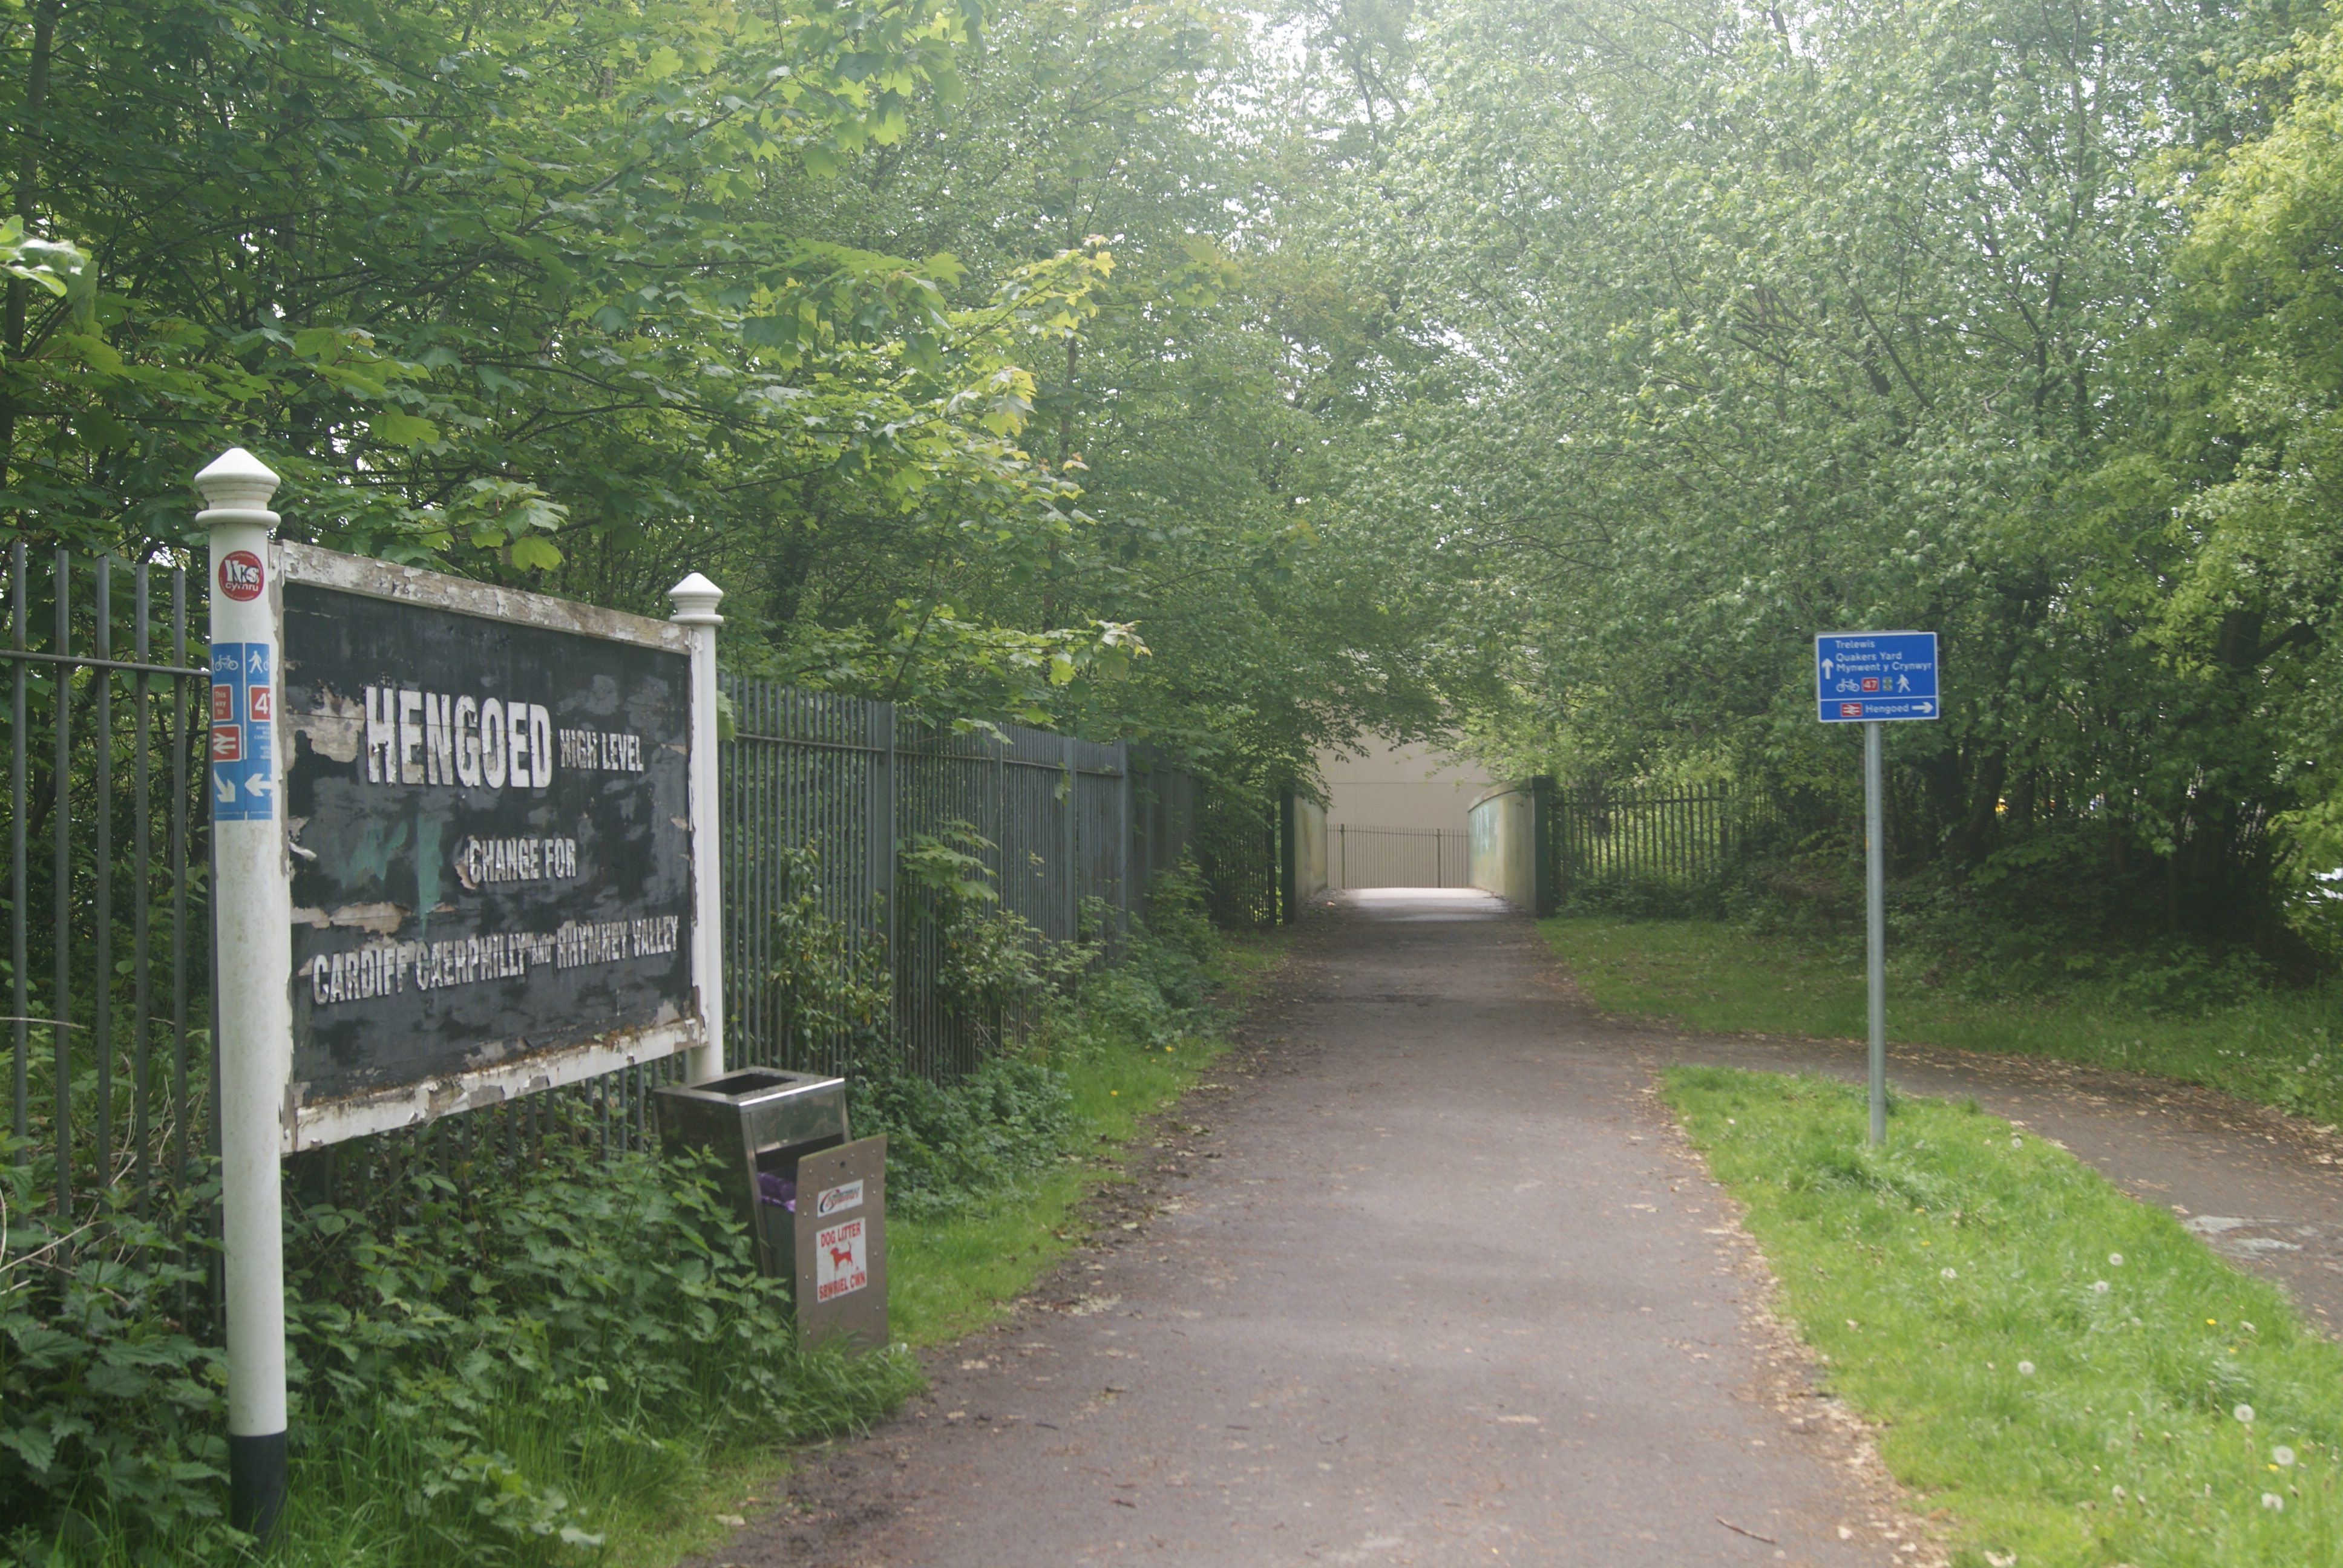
<point x="1868" y="675"/>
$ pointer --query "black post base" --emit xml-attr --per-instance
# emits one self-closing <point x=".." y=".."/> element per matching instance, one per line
<point x="255" y="1482"/>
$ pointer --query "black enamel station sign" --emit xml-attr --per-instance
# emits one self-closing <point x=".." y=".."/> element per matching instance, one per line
<point x="491" y="849"/>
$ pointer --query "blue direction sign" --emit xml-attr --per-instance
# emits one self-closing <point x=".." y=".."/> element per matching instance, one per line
<point x="1861" y="675"/>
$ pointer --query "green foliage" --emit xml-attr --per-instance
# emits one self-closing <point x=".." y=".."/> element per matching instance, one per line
<point x="2175" y="1012"/>
<point x="1707" y="328"/>
<point x="58" y="267"/>
<point x="474" y="1381"/>
<point x="2068" y="1373"/>
<point x="993" y="969"/>
<point x="2261" y="349"/>
<point x="109" y="1410"/>
<point x="832" y="989"/>
<point x="953" y="1148"/>
<point x="957" y="1147"/>
<point x="931" y="330"/>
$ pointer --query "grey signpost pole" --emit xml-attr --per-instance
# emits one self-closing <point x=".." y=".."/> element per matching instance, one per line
<point x="1867" y="677"/>
<point x="252" y="914"/>
<point x="695" y="599"/>
<point x="1875" y="890"/>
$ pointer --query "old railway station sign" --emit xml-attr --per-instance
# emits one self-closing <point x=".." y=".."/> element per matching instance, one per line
<point x="487" y="808"/>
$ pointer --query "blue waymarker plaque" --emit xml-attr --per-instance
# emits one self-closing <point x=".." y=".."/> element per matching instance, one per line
<point x="1875" y="675"/>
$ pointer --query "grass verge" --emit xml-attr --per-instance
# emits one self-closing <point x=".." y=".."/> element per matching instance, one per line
<point x="949" y="1277"/>
<point x="2068" y="1372"/>
<point x="2277" y="1049"/>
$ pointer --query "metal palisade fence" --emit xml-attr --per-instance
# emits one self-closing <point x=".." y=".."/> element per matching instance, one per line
<point x="820" y="791"/>
<point x="111" y="1090"/>
<point x="108" y="923"/>
<point x="1609" y="842"/>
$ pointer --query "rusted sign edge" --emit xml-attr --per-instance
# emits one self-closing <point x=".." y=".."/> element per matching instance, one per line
<point x="303" y="563"/>
<point x="306" y="1126"/>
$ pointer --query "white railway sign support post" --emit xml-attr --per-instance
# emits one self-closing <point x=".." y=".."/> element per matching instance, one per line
<point x="695" y="599"/>
<point x="252" y="917"/>
<point x="465" y="841"/>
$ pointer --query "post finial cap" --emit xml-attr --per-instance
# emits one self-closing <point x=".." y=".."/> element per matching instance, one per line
<point x="237" y="481"/>
<point x="695" y="599"/>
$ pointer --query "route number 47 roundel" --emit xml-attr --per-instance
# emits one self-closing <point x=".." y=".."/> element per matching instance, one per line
<point x="240" y="577"/>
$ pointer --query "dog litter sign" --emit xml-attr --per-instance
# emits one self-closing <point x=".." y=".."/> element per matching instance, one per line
<point x="841" y="1245"/>
<point x="841" y="1263"/>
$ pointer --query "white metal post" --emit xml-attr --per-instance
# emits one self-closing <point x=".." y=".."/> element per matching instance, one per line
<point x="695" y="599"/>
<point x="1875" y="887"/>
<point x="252" y="916"/>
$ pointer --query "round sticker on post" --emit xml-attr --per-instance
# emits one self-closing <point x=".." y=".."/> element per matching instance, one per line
<point x="240" y="576"/>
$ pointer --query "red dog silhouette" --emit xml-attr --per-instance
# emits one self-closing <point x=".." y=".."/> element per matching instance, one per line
<point x="841" y="1257"/>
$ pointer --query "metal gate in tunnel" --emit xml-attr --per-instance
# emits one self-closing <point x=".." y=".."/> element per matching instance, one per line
<point x="1396" y="857"/>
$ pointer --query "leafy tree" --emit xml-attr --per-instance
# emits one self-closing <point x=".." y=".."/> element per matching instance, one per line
<point x="1734" y="325"/>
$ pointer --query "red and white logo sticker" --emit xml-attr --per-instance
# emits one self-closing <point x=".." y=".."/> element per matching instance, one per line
<point x="840" y="1262"/>
<point x="227" y="742"/>
<point x="240" y="576"/>
<point x="258" y="698"/>
<point x="838" y="1200"/>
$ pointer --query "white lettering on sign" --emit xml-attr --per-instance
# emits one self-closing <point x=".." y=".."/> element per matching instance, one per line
<point x="387" y="969"/>
<point x="479" y="861"/>
<point x="608" y="942"/>
<point x="602" y="751"/>
<point x="840" y="1261"/>
<point x="838" y="1200"/>
<point x="474" y="743"/>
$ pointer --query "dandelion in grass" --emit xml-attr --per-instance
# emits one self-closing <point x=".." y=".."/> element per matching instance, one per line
<point x="2114" y="1260"/>
<point x="2026" y="1369"/>
<point x="2016" y="1143"/>
<point x="1951" y="1273"/>
<point x="2098" y="1287"/>
<point x="2244" y="1413"/>
<point x="2274" y="1502"/>
<point x="2284" y="1455"/>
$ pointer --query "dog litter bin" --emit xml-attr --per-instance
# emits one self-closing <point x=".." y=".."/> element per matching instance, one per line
<point x="815" y="1200"/>
<point x="759" y="1123"/>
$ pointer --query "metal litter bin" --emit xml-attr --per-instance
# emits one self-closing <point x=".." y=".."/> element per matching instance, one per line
<point x="758" y="1122"/>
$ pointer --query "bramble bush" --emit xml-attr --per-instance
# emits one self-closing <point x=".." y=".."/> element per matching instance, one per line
<point x="463" y="1374"/>
<point x="109" y="1410"/>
